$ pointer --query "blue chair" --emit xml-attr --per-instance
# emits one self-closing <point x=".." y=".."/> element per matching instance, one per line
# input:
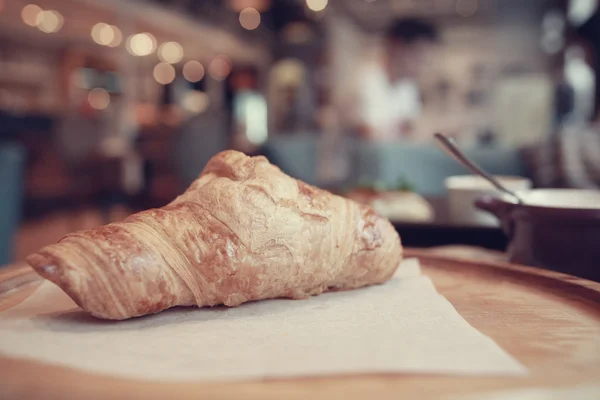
<point x="425" y="166"/>
<point x="12" y="164"/>
<point x="296" y="155"/>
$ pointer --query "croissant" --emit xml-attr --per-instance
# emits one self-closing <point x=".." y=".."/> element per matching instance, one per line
<point x="242" y="231"/>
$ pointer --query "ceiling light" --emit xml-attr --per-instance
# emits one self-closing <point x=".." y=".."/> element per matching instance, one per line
<point x="141" y="44"/>
<point x="193" y="71"/>
<point x="219" y="68"/>
<point x="117" y="37"/>
<point x="29" y="14"/>
<point x="249" y="18"/>
<point x="49" y="21"/>
<point x="316" y="5"/>
<point x="170" y="52"/>
<point x="98" y="98"/>
<point x="164" y="73"/>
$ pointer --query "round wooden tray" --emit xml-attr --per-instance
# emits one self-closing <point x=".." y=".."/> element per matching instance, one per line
<point x="549" y="321"/>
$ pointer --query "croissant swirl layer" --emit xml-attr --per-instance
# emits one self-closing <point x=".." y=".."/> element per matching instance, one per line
<point x="243" y="231"/>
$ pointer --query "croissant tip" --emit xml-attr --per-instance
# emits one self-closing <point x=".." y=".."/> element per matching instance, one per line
<point x="42" y="265"/>
<point x="49" y="268"/>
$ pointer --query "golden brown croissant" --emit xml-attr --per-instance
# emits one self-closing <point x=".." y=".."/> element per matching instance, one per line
<point x="243" y="231"/>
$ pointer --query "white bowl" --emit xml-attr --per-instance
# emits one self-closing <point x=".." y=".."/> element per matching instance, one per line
<point x="463" y="190"/>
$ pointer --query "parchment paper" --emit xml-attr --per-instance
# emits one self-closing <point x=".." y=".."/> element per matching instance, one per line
<point x="403" y="326"/>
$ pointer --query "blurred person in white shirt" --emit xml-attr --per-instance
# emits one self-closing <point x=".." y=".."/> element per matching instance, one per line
<point x="387" y="98"/>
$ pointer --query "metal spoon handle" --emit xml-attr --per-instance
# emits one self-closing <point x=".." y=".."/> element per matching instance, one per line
<point x="451" y="148"/>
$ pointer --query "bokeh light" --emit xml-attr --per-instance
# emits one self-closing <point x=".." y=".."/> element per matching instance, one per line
<point x="552" y="42"/>
<point x="98" y="98"/>
<point x="316" y="5"/>
<point x="96" y="32"/>
<point x="102" y="33"/>
<point x="106" y="35"/>
<point x="579" y="11"/>
<point x="193" y="71"/>
<point x="553" y="20"/>
<point x="195" y="101"/>
<point x="170" y="52"/>
<point x="164" y="73"/>
<point x="117" y="37"/>
<point x="29" y="14"/>
<point x="49" y="21"/>
<point x="249" y="18"/>
<point x="289" y="72"/>
<point x="219" y="68"/>
<point x="141" y="44"/>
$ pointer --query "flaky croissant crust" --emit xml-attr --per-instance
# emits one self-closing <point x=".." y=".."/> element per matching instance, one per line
<point x="242" y="231"/>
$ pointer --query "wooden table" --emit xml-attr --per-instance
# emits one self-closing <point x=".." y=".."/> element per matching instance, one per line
<point x="547" y="320"/>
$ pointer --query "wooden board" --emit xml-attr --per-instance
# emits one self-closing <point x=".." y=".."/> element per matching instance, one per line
<point x="549" y="321"/>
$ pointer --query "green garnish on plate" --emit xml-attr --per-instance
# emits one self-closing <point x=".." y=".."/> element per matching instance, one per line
<point x="400" y="185"/>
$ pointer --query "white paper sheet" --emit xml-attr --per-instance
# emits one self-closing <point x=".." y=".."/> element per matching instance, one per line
<point x="403" y="326"/>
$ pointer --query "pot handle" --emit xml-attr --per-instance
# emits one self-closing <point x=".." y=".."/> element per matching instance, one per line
<point x="499" y="209"/>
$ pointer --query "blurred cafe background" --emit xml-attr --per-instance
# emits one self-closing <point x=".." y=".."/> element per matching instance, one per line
<point x="108" y="107"/>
